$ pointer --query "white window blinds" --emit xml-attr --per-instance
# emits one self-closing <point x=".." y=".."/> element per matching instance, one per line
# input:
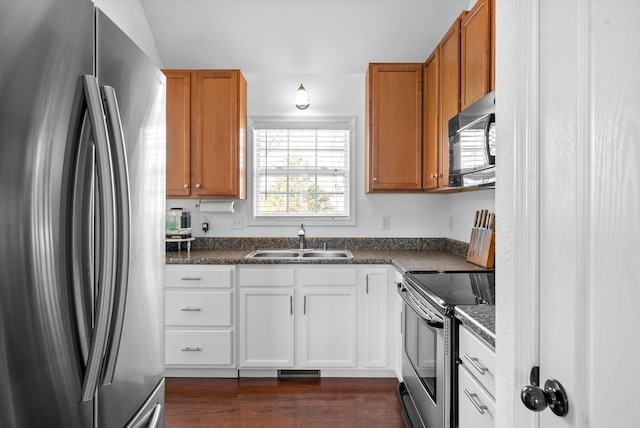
<point x="301" y="169"/>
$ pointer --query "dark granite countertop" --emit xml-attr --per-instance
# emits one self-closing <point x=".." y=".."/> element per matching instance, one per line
<point x="404" y="253"/>
<point x="481" y="319"/>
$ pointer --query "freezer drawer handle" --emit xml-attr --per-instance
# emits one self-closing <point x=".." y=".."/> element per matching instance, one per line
<point x="473" y="397"/>
<point x="191" y="349"/>
<point x="474" y="363"/>
<point x="191" y="279"/>
<point x="154" y="422"/>
<point x="191" y="310"/>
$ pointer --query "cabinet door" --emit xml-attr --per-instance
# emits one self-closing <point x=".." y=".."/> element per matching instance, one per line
<point x="431" y="134"/>
<point x="475" y="71"/>
<point x="449" y="94"/>
<point x="375" y="328"/>
<point x="266" y="328"/>
<point x="394" y="127"/>
<point x="178" y="132"/>
<point x="328" y="328"/>
<point x="476" y="409"/>
<point x="219" y="128"/>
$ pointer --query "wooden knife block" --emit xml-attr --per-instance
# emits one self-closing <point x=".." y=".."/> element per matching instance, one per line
<point x="483" y="254"/>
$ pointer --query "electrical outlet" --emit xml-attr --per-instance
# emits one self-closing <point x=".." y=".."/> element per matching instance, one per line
<point x="451" y="223"/>
<point x="385" y="222"/>
<point x="237" y="222"/>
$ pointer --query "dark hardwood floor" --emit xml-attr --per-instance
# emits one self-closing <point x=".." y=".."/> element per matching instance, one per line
<point x="282" y="403"/>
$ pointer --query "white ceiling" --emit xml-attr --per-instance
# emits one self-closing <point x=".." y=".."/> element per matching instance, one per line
<point x="297" y="36"/>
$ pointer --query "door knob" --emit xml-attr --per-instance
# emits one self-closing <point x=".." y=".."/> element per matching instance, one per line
<point x="553" y="395"/>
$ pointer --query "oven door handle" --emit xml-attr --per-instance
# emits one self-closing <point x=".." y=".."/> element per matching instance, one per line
<point x="417" y="309"/>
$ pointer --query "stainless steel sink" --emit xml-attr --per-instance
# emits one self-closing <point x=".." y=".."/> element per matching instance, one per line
<point x="273" y="254"/>
<point x="327" y="254"/>
<point x="299" y="254"/>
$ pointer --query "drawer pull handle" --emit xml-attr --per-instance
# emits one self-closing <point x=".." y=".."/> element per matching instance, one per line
<point x="474" y="399"/>
<point x="191" y="310"/>
<point x="474" y="362"/>
<point x="191" y="279"/>
<point x="191" y="349"/>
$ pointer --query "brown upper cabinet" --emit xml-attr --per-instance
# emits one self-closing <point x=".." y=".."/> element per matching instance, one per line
<point x="449" y="99"/>
<point x="206" y="134"/>
<point x="393" y="134"/>
<point x="458" y="72"/>
<point x="477" y="64"/>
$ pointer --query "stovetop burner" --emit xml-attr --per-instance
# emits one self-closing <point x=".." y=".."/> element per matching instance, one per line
<point x="448" y="289"/>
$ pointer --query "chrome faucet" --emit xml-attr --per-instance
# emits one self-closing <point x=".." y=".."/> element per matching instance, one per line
<point x="301" y="236"/>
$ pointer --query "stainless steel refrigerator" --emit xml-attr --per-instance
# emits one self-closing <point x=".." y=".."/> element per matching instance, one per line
<point x="82" y="167"/>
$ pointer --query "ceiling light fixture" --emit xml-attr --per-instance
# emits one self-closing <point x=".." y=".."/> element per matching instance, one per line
<point x="302" y="100"/>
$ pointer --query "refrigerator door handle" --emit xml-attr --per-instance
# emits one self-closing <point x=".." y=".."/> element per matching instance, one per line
<point x="106" y="230"/>
<point x="123" y="219"/>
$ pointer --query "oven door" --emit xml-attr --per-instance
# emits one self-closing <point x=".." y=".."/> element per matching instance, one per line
<point x="425" y="365"/>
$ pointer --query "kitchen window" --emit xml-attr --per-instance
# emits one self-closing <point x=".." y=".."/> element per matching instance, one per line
<point x="302" y="170"/>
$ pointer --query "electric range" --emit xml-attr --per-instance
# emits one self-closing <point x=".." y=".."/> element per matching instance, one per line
<point x="430" y="346"/>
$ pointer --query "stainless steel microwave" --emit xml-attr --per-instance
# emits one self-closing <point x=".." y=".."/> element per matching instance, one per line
<point x="472" y="145"/>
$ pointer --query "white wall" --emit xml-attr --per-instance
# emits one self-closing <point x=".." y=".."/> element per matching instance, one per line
<point x="412" y="215"/>
<point x="130" y="17"/>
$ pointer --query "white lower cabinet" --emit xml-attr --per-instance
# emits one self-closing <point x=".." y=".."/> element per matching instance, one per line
<point x="340" y="319"/>
<point x="314" y="317"/>
<point x="199" y="321"/>
<point x="476" y="381"/>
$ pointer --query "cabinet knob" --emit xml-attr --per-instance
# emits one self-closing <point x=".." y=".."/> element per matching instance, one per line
<point x="198" y="186"/>
<point x="186" y="186"/>
<point x="375" y="179"/>
<point x="434" y="175"/>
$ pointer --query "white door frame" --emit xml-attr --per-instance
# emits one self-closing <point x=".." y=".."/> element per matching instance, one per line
<point x="517" y="196"/>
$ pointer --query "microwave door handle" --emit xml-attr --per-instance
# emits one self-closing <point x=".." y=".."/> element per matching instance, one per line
<point x="123" y="221"/>
<point x="106" y="228"/>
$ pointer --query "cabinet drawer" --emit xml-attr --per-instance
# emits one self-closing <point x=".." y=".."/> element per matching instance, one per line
<point x="476" y="408"/>
<point x="328" y="276"/>
<point x="190" y="347"/>
<point x="199" y="277"/>
<point x="266" y="276"/>
<point x="198" y="308"/>
<point x="479" y="359"/>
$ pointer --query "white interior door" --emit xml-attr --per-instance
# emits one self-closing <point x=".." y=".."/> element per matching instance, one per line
<point x="588" y="210"/>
